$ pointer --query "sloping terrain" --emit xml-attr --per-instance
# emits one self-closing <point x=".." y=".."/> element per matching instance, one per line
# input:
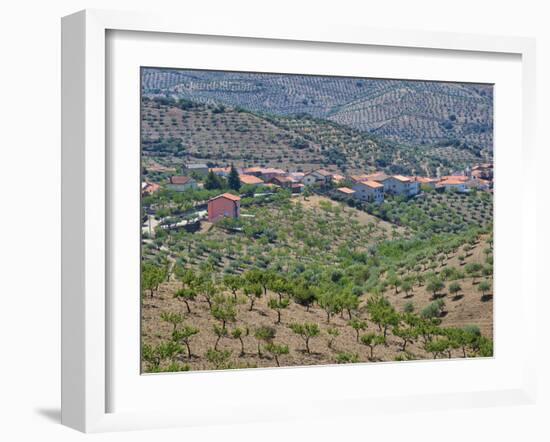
<point x="412" y="112"/>
<point x="181" y="130"/>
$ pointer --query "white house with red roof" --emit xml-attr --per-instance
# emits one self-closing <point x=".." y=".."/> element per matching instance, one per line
<point x="319" y="176"/>
<point x="369" y="191"/>
<point x="181" y="183"/>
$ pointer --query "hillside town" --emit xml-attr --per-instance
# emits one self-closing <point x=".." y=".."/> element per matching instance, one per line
<point x="365" y="188"/>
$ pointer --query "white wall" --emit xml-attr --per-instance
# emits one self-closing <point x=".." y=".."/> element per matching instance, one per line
<point x="30" y="155"/>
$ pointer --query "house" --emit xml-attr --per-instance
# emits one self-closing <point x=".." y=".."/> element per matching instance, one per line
<point x="225" y="205"/>
<point x="369" y="191"/>
<point x="269" y="172"/>
<point x="198" y="168"/>
<point x="393" y="184"/>
<point x="452" y="184"/>
<point x="220" y="171"/>
<point x="251" y="180"/>
<point x="400" y="185"/>
<point x="149" y="188"/>
<point x="297" y="176"/>
<point x="320" y="177"/>
<point x="483" y="171"/>
<point x="282" y="181"/>
<point x="479" y="184"/>
<point x="346" y="191"/>
<point x="181" y="183"/>
<point x="297" y="188"/>
<point x="425" y="181"/>
<point x="288" y="183"/>
<point x="255" y="171"/>
<point x="337" y="178"/>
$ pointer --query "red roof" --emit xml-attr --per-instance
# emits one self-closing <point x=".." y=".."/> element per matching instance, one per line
<point x="228" y="196"/>
<point x="402" y="178"/>
<point x="250" y="179"/>
<point x="346" y="190"/>
<point x="451" y="181"/>
<point x="180" y="179"/>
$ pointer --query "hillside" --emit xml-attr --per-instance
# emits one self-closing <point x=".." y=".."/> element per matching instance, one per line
<point x="175" y="131"/>
<point x="311" y="243"/>
<point x="412" y="112"/>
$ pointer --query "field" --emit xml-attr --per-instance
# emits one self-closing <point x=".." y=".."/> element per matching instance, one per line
<point x="412" y="112"/>
<point x="175" y="131"/>
<point x="342" y="249"/>
<point x="329" y="266"/>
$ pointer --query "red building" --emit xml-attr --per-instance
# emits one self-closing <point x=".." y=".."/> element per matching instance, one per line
<point x="225" y="205"/>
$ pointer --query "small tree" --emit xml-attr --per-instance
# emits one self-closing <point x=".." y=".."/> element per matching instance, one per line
<point x="184" y="335"/>
<point x="407" y="334"/>
<point x="233" y="283"/>
<point x="437" y="347"/>
<point x="306" y="331"/>
<point x="332" y="333"/>
<point x="433" y="310"/>
<point x="484" y="287"/>
<point x="358" y="325"/>
<point x="372" y="340"/>
<point x="224" y="309"/>
<point x="328" y="301"/>
<point x="278" y="305"/>
<point x="473" y="269"/>
<point x="220" y="332"/>
<point x="151" y="277"/>
<point x="303" y="295"/>
<point x="172" y="318"/>
<point x="382" y="314"/>
<point x="186" y="295"/>
<point x="239" y="333"/>
<point x="253" y="292"/>
<point x="435" y="285"/>
<point x="347" y="358"/>
<point x="407" y="287"/>
<point x="264" y="334"/>
<point x="220" y="359"/>
<point x="455" y="289"/>
<point x="277" y="350"/>
<point x="408" y="307"/>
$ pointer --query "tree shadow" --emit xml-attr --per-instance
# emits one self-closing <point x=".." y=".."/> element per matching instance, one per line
<point x="486" y="298"/>
<point x="457" y="297"/>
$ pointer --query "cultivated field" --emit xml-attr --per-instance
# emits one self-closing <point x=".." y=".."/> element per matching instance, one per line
<point x="309" y="247"/>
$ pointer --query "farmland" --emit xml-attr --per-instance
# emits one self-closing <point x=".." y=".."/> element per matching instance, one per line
<point x="292" y="220"/>
<point x="416" y="113"/>
<point x="308" y="243"/>
<point x="175" y="131"/>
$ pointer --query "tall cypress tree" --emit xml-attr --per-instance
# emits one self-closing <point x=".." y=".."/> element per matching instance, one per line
<point x="233" y="180"/>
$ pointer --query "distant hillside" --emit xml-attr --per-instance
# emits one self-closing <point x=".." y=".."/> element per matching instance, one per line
<point x="411" y="112"/>
<point x="179" y="130"/>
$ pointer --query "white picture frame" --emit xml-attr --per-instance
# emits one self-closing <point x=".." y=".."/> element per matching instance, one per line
<point x="85" y="233"/>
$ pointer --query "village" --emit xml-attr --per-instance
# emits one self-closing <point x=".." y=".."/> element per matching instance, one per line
<point x="371" y="188"/>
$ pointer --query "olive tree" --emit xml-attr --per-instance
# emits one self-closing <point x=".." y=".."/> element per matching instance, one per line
<point x="265" y="334"/>
<point x="372" y="340"/>
<point x="278" y="305"/>
<point x="306" y="331"/>
<point x="277" y="350"/>
<point x="184" y="334"/>
<point x="358" y="325"/>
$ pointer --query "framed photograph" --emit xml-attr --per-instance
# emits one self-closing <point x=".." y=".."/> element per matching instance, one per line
<point x="279" y="222"/>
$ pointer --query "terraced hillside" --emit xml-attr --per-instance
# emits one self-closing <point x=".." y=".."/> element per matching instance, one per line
<point x="314" y="261"/>
<point x="177" y="130"/>
<point x="411" y="112"/>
